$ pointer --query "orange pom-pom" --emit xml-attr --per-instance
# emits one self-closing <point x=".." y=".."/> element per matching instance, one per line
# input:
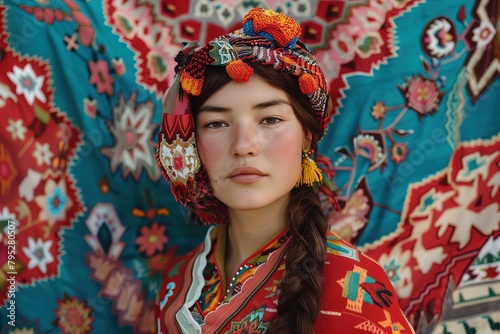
<point x="239" y="71"/>
<point x="307" y="83"/>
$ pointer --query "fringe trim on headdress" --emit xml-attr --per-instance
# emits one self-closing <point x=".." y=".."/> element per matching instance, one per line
<point x="191" y="85"/>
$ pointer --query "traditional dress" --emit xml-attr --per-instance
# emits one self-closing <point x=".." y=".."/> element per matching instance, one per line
<point x="357" y="296"/>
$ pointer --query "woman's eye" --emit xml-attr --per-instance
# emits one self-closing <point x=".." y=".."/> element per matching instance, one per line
<point x="271" y="120"/>
<point x="215" y="124"/>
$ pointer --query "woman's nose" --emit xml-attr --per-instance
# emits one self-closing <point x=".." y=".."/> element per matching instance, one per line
<point x="244" y="140"/>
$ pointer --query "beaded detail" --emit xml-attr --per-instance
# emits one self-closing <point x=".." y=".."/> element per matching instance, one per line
<point x="211" y="295"/>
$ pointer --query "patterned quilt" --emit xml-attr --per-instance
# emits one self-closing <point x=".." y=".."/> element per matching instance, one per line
<point x="86" y="219"/>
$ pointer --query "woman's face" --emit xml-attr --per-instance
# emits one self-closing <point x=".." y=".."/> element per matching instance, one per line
<point x="251" y="144"/>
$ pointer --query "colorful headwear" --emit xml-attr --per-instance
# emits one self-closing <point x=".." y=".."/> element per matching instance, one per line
<point x="267" y="38"/>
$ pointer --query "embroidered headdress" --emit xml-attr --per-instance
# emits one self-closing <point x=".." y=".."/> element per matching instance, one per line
<point x="267" y="38"/>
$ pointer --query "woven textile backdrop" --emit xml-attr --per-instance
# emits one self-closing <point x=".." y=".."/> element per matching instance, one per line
<point x="414" y="143"/>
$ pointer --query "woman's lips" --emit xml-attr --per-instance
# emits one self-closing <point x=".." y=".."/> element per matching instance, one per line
<point x="246" y="174"/>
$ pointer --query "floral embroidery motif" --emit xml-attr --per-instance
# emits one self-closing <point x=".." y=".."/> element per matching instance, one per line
<point x="133" y="128"/>
<point x="157" y="264"/>
<point x="39" y="253"/>
<point x="371" y="146"/>
<point x="422" y="95"/>
<point x="54" y="202"/>
<point x="274" y="289"/>
<point x="399" y="272"/>
<point x="399" y="152"/>
<point x="152" y="239"/>
<point x="379" y="110"/>
<point x="179" y="159"/>
<point x="117" y="282"/>
<point x="42" y="154"/>
<point x="440" y="38"/>
<point x="73" y="316"/>
<point x="28" y="83"/>
<point x="23" y="330"/>
<point x="100" y="77"/>
<point x="16" y="129"/>
<point x="252" y="323"/>
<point x="349" y="222"/>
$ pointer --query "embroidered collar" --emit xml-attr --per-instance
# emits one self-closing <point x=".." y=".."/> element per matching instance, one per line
<point x="213" y="293"/>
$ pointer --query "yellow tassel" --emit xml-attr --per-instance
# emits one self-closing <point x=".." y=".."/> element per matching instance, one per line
<point x="311" y="173"/>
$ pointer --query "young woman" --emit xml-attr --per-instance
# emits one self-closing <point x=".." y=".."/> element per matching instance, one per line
<point x="239" y="126"/>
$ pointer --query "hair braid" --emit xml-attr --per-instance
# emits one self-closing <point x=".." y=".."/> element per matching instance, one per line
<point x="300" y="290"/>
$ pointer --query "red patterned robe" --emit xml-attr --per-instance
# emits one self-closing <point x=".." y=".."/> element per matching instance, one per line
<point x="357" y="295"/>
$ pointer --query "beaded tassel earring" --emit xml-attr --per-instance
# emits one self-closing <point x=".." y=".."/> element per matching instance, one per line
<point x="311" y="173"/>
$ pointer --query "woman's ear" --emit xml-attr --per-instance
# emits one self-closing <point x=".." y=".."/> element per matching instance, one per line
<point x="306" y="143"/>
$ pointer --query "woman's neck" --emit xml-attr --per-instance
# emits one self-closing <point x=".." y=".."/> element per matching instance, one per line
<point x="250" y="230"/>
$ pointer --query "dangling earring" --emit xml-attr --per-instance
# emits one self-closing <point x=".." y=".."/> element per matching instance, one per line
<point x="310" y="173"/>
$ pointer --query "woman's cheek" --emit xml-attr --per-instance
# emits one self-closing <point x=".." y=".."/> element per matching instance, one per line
<point x="210" y="150"/>
<point x="286" y="145"/>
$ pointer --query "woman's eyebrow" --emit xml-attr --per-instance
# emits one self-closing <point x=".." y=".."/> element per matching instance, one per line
<point x="270" y="103"/>
<point x="211" y="108"/>
<point x="261" y="105"/>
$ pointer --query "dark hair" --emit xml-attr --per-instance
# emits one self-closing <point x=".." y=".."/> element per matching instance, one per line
<point x="300" y="290"/>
